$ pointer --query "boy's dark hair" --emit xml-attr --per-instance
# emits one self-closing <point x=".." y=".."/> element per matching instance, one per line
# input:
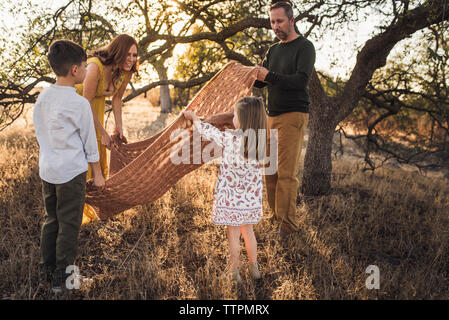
<point x="283" y="4"/>
<point x="63" y="54"/>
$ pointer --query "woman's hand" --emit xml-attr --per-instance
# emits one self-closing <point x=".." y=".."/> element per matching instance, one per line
<point x="106" y="140"/>
<point x="119" y="132"/>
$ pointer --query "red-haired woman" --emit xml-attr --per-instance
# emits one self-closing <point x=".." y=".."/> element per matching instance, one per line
<point x="109" y="71"/>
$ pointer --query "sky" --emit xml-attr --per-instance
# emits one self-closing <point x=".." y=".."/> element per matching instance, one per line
<point x="336" y="54"/>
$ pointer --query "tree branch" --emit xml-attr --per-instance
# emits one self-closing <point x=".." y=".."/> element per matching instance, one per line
<point x="376" y="50"/>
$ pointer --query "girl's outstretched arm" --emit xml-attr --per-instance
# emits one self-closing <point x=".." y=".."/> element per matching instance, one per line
<point x="207" y="131"/>
<point x="190" y="115"/>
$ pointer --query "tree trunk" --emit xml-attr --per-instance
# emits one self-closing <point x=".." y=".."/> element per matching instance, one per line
<point x="322" y="123"/>
<point x="164" y="90"/>
<point x="318" y="159"/>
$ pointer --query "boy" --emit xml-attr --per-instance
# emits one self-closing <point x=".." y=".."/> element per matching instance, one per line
<point x="67" y="143"/>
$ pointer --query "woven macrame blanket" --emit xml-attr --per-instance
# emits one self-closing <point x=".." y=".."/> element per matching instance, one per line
<point x="142" y="172"/>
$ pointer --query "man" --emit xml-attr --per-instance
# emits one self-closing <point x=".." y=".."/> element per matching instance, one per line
<point x="286" y="72"/>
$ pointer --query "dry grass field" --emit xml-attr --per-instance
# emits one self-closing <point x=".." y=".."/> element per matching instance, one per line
<point x="395" y="219"/>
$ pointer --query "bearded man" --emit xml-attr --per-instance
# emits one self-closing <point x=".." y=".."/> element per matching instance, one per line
<point x="286" y="71"/>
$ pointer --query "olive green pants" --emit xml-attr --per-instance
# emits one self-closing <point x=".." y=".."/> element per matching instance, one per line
<point x="59" y="236"/>
<point x="282" y="187"/>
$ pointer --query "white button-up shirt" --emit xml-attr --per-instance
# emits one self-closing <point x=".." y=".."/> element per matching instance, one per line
<point x="65" y="132"/>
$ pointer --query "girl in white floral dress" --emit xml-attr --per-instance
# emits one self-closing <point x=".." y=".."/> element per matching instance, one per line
<point x="238" y="192"/>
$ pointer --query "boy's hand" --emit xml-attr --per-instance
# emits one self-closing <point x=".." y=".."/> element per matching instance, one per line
<point x="99" y="181"/>
<point x="106" y="140"/>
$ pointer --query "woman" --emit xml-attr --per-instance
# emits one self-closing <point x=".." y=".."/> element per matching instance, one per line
<point x="109" y="71"/>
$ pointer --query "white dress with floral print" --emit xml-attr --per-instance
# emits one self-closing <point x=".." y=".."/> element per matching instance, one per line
<point x="238" y="192"/>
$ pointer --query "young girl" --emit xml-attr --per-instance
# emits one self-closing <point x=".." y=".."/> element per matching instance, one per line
<point x="238" y="192"/>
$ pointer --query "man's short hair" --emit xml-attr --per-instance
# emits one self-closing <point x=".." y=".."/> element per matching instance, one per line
<point x="283" y="4"/>
<point x="63" y="54"/>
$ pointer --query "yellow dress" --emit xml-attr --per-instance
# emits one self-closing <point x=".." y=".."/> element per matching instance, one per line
<point x="99" y="106"/>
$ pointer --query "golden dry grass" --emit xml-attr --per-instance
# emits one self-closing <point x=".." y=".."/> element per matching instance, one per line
<point x="170" y="249"/>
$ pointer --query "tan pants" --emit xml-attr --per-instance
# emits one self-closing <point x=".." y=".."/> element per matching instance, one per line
<point x="282" y="186"/>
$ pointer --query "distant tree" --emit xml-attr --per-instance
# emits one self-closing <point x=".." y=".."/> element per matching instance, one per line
<point x="404" y="113"/>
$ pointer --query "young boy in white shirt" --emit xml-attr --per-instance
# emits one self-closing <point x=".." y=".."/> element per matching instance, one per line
<point x="67" y="143"/>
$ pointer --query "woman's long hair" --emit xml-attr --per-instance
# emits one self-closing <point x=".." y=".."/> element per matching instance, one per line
<point x="253" y="123"/>
<point x="115" y="53"/>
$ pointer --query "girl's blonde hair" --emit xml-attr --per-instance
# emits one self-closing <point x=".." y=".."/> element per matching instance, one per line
<point x="253" y="123"/>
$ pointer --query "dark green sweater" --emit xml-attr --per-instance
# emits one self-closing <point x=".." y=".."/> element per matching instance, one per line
<point x="290" y="66"/>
